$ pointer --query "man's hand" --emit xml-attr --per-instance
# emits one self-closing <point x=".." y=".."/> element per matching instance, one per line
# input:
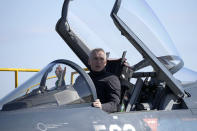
<point x="60" y="72"/>
<point x="97" y="104"/>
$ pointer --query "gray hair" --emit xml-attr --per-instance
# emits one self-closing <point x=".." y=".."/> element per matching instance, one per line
<point x="96" y="50"/>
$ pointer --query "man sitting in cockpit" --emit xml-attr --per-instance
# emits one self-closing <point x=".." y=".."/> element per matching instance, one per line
<point x="107" y="85"/>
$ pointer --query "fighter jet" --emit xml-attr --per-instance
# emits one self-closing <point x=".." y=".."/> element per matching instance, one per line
<point x="154" y="96"/>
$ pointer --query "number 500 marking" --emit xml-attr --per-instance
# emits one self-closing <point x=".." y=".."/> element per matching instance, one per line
<point x="114" y="127"/>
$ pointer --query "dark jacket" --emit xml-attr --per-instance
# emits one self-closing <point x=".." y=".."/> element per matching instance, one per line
<point x="108" y="89"/>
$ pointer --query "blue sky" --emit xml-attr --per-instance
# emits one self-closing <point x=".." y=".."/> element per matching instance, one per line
<point x="179" y="18"/>
<point x="28" y="38"/>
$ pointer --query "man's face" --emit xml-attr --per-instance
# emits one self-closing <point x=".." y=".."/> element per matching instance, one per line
<point x="97" y="61"/>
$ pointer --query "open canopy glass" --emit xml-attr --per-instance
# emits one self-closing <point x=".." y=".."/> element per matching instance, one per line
<point x="91" y="21"/>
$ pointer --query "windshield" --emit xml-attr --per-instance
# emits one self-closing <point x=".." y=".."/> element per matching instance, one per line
<point x="91" y="21"/>
<point x="57" y="83"/>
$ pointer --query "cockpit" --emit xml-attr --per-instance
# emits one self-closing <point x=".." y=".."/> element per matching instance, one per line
<point x="151" y="53"/>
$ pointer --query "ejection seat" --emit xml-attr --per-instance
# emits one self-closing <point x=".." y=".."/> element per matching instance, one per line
<point x="123" y="71"/>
